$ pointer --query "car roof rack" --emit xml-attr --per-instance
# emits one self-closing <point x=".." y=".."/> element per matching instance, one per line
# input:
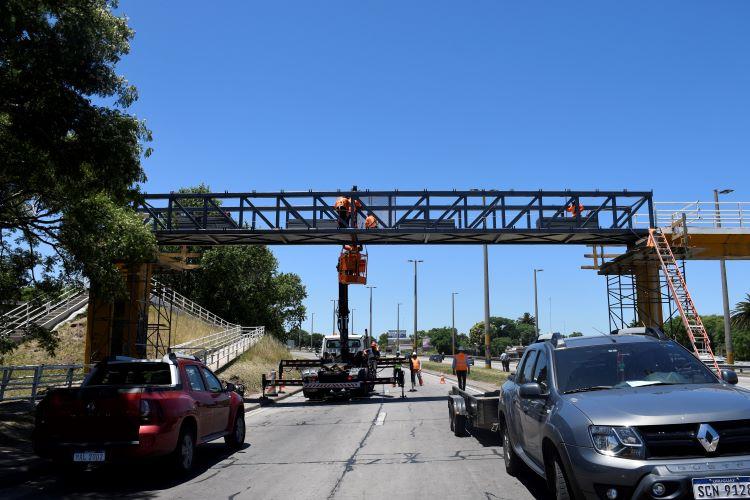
<point x="641" y="330"/>
<point x="556" y="339"/>
<point x="174" y="356"/>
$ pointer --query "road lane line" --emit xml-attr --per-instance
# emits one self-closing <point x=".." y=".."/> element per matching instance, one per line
<point x="381" y="418"/>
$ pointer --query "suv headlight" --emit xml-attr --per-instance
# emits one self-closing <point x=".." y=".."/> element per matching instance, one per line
<point x="622" y="442"/>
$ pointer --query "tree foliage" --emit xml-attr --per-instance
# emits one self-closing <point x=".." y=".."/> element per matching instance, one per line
<point x="517" y="331"/>
<point x="741" y="314"/>
<point x="70" y="163"/>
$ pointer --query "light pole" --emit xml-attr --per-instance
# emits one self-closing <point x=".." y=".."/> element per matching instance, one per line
<point x="487" y="358"/>
<point x="312" y="328"/>
<point x="333" y="330"/>
<point x="415" y="261"/>
<point x="353" y="320"/>
<point x="367" y="341"/>
<point x="453" y="322"/>
<point x="536" y="302"/>
<point x="398" y="326"/>
<point x="724" y="287"/>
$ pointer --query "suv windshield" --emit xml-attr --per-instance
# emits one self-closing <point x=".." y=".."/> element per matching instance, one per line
<point x="131" y="374"/>
<point x="336" y="344"/>
<point x="620" y="365"/>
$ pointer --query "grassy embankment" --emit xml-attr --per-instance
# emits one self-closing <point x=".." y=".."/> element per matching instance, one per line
<point x="490" y="375"/>
<point x="72" y="334"/>
<point x="259" y="359"/>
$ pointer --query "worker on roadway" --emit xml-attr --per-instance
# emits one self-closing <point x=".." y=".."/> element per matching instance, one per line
<point x="461" y="367"/>
<point x="375" y="349"/>
<point x="505" y="360"/>
<point x="416" y="371"/>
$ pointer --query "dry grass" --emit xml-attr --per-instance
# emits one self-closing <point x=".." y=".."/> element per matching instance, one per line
<point x="259" y="359"/>
<point x="477" y="373"/>
<point x="73" y="333"/>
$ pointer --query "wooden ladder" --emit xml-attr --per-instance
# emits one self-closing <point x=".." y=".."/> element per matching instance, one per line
<point x="690" y="317"/>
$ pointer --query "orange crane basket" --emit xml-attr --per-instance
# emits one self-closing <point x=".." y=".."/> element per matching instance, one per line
<point x="352" y="267"/>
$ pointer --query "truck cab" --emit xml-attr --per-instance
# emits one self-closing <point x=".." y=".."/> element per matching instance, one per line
<point x="332" y="344"/>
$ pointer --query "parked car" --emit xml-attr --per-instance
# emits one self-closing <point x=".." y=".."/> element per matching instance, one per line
<point x="628" y="415"/>
<point x="438" y="358"/>
<point x="128" y="408"/>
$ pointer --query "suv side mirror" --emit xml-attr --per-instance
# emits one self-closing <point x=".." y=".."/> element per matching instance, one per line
<point x="531" y="390"/>
<point x="230" y="387"/>
<point x="729" y="376"/>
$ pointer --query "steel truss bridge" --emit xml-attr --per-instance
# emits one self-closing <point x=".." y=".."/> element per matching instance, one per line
<point x="403" y="217"/>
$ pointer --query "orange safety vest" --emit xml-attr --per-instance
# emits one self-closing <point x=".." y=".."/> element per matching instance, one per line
<point x="575" y="209"/>
<point x="371" y="222"/>
<point x="461" y="364"/>
<point x="416" y="364"/>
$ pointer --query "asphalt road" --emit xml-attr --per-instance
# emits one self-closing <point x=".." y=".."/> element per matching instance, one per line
<point x="383" y="447"/>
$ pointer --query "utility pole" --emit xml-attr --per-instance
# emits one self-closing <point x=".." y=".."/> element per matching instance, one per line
<point x="367" y="341"/>
<point x="333" y="331"/>
<point x="724" y="287"/>
<point x="487" y="354"/>
<point x="312" y="328"/>
<point x="453" y="322"/>
<point x="415" y="261"/>
<point x="536" y="302"/>
<point x="353" y="320"/>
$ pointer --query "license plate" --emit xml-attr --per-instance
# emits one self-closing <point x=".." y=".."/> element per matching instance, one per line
<point x="722" y="487"/>
<point x="88" y="456"/>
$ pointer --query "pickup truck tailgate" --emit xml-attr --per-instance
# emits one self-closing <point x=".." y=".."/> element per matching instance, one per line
<point x="93" y="415"/>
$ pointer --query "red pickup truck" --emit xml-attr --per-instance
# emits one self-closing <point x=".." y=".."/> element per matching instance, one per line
<point x="129" y="409"/>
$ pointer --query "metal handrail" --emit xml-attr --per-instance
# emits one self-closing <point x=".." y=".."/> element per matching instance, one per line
<point x="184" y="304"/>
<point x="28" y="313"/>
<point x="730" y="214"/>
<point x="34" y="378"/>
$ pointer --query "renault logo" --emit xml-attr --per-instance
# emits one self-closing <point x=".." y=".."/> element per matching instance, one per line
<point x="708" y="437"/>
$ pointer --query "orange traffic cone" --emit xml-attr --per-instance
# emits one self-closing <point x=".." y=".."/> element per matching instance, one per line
<point x="281" y="388"/>
<point x="442" y="379"/>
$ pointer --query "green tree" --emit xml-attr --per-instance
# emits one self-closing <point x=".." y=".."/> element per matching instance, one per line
<point x="499" y="344"/>
<point x="576" y="334"/>
<point x="70" y="166"/>
<point x="383" y="341"/>
<point x="741" y="314"/>
<point x="440" y="338"/>
<point x="527" y="319"/>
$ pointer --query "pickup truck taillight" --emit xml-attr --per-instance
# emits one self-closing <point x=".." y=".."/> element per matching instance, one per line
<point x="149" y="411"/>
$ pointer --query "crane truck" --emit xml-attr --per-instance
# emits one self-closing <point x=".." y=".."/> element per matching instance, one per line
<point x="339" y="373"/>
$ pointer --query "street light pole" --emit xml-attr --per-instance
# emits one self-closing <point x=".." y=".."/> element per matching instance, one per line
<point x="367" y="341"/>
<point x="353" y="320"/>
<point x="487" y="354"/>
<point x="536" y="302"/>
<point x="724" y="287"/>
<point x="415" y="261"/>
<point x="453" y="322"/>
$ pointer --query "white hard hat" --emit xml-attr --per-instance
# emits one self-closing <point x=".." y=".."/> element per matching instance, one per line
<point x="414" y="353"/>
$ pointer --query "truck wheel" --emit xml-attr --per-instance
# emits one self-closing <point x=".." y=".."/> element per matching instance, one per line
<point x="560" y="482"/>
<point x="236" y="438"/>
<point x="460" y="426"/>
<point x="512" y="461"/>
<point x="182" y="456"/>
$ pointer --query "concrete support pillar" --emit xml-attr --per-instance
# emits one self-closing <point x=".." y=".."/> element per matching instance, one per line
<point x="648" y="295"/>
<point x="120" y="328"/>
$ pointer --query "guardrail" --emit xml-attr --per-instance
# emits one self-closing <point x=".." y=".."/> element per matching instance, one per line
<point x="219" y="349"/>
<point x="28" y="381"/>
<point x="728" y="214"/>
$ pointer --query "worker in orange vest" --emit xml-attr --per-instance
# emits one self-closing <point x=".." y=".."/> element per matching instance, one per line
<point x="461" y="368"/>
<point x="371" y="222"/>
<point x="416" y="371"/>
<point x="343" y="206"/>
<point x="574" y="209"/>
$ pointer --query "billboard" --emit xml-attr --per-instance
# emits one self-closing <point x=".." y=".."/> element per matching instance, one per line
<point x="397" y="334"/>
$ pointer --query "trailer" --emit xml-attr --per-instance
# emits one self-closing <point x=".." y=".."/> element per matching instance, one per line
<point x="321" y="379"/>
<point x="473" y="411"/>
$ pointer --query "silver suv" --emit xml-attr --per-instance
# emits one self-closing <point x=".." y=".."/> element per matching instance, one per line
<point x="627" y="415"/>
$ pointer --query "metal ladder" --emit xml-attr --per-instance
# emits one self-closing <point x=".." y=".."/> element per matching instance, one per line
<point x="690" y="317"/>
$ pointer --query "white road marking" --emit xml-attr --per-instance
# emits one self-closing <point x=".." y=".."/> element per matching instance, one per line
<point x="381" y="418"/>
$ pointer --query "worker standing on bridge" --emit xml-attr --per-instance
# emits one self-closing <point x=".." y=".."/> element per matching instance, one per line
<point x="343" y="207"/>
<point x="575" y="209"/>
<point x="461" y="367"/>
<point x="371" y="222"/>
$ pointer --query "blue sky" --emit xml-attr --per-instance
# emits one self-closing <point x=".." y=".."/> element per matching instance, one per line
<point x="444" y="94"/>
